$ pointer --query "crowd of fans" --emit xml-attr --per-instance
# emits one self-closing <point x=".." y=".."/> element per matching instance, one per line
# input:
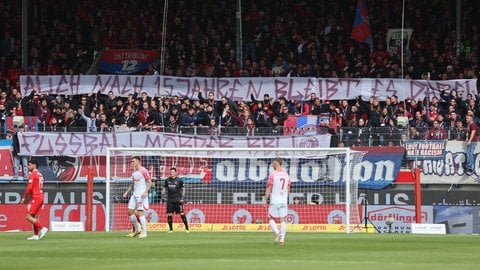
<point x="283" y="38"/>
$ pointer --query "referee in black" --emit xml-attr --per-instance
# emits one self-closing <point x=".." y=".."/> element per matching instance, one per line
<point x="175" y="191"/>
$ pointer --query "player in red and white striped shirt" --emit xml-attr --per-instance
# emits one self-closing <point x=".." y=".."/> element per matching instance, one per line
<point x="278" y="188"/>
<point x="35" y="190"/>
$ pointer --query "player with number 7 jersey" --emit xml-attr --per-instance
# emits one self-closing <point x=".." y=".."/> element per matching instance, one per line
<point x="278" y="188"/>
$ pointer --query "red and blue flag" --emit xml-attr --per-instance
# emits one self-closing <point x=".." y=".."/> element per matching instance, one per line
<point x="361" y="25"/>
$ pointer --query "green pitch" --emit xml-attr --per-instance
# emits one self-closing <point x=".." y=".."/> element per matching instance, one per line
<point x="209" y="250"/>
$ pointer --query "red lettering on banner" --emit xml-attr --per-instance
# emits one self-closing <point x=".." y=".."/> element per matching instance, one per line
<point x="75" y="140"/>
<point x="331" y="88"/>
<point x="186" y="141"/>
<point x="435" y="86"/>
<point x="116" y="85"/>
<point x="463" y="87"/>
<point x="378" y="87"/>
<point x="221" y="84"/>
<point x="388" y="88"/>
<point x="391" y="88"/>
<point x="314" y="228"/>
<point x="225" y="142"/>
<point x="53" y="144"/>
<point x="104" y="142"/>
<point x="251" y="89"/>
<point x="152" y="140"/>
<point x="200" y="141"/>
<point x="166" y="86"/>
<point x="253" y="142"/>
<point x="195" y="225"/>
<point x="281" y="88"/>
<point x="321" y="92"/>
<point x="263" y="227"/>
<point x="90" y="144"/>
<point x="99" y="84"/>
<point x="234" y="228"/>
<point x="237" y="87"/>
<point x="185" y="88"/>
<point x="271" y="142"/>
<point x="263" y="142"/>
<point x="30" y="82"/>
<point x="61" y="142"/>
<point x="170" y="141"/>
<point x="205" y="86"/>
<point x="194" y="91"/>
<point x="350" y="84"/>
<point x="285" y="89"/>
<point x="72" y="85"/>
<point x="309" y="88"/>
<point x="417" y="89"/>
<point x="128" y="82"/>
<point x="44" y="147"/>
<point x="157" y="85"/>
<point x="26" y="141"/>
<point x="213" y="142"/>
<point x="157" y="226"/>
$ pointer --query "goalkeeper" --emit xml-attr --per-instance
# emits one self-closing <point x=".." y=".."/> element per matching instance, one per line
<point x="175" y="192"/>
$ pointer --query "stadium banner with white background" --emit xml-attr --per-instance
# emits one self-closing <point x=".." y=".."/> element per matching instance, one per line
<point x="243" y="87"/>
<point x="66" y="156"/>
<point x="86" y="144"/>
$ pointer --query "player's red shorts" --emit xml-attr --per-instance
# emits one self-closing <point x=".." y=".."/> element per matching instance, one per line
<point x="34" y="206"/>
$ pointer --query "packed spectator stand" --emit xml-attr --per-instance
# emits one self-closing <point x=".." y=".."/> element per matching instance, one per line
<point x="283" y="38"/>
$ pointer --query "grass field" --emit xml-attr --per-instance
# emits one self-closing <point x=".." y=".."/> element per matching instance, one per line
<point x="210" y="250"/>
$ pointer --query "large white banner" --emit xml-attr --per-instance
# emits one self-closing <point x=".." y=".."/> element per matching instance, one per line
<point x="241" y="88"/>
<point x="95" y="144"/>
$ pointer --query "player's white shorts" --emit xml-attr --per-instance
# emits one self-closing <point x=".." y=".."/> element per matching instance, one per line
<point x="138" y="203"/>
<point x="278" y="210"/>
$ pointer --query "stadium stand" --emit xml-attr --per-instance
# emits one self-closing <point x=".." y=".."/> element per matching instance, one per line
<point x="283" y="38"/>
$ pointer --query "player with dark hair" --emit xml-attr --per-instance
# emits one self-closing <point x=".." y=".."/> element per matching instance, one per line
<point x="35" y="190"/>
<point x="175" y="192"/>
<point x="278" y="188"/>
<point x="138" y="202"/>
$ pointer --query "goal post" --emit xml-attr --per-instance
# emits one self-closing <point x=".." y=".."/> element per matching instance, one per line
<point x="225" y="187"/>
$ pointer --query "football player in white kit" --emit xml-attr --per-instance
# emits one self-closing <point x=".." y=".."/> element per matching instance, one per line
<point x="141" y="184"/>
<point x="278" y="188"/>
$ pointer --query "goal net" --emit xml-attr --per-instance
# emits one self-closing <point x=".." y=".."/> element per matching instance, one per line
<point x="225" y="187"/>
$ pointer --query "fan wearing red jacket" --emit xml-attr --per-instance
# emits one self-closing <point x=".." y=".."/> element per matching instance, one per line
<point x="35" y="190"/>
